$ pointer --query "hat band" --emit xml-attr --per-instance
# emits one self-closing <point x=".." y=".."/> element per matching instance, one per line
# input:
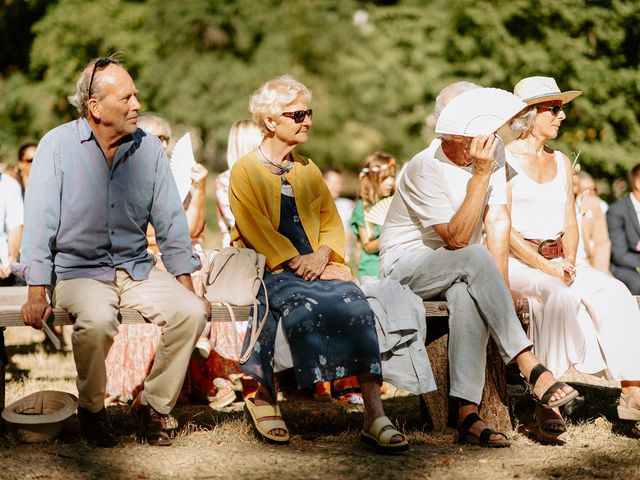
<point x="543" y="95"/>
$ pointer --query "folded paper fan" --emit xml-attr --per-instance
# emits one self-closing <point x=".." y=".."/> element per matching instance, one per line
<point x="480" y="111"/>
<point x="182" y="161"/>
<point x="377" y="213"/>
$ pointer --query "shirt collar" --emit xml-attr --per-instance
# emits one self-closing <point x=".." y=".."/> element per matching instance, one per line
<point x="87" y="134"/>
<point x="85" y="130"/>
<point x="635" y="203"/>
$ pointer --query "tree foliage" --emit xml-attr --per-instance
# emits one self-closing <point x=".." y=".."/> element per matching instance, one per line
<point x="374" y="67"/>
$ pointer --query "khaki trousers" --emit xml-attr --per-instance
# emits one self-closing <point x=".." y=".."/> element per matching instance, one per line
<point x="162" y="300"/>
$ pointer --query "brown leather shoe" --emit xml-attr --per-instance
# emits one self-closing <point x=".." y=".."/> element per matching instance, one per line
<point x="94" y="428"/>
<point x="152" y="423"/>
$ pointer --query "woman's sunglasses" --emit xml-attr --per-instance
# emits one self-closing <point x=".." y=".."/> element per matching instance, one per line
<point x="554" y="109"/>
<point x="299" y="115"/>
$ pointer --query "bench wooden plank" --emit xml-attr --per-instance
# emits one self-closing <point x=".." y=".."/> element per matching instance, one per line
<point x="11" y="299"/>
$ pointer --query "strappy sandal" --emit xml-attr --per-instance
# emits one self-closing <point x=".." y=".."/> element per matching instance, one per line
<point x="625" y="412"/>
<point x="546" y="435"/>
<point x="538" y="370"/>
<point x="484" y="440"/>
<point x="262" y="424"/>
<point x="380" y="440"/>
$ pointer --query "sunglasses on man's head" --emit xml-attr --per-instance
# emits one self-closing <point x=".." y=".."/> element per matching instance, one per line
<point x="554" y="109"/>
<point x="298" y="115"/>
<point x="100" y="63"/>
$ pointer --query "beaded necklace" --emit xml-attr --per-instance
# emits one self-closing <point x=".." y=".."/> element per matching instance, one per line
<point x="282" y="170"/>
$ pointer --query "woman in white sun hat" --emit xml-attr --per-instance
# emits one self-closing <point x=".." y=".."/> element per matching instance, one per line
<point x="581" y="317"/>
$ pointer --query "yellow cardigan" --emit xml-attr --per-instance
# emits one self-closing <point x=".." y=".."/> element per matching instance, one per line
<point x="254" y="195"/>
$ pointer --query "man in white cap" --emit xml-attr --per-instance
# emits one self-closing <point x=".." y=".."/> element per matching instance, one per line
<point x="430" y="242"/>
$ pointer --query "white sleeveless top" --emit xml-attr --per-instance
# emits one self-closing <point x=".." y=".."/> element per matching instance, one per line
<point x="538" y="209"/>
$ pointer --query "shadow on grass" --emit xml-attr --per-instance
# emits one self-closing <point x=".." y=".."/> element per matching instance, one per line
<point x="619" y="463"/>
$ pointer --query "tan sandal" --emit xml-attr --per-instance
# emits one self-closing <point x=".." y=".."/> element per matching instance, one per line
<point x="380" y="440"/>
<point x="625" y="412"/>
<point x="262" y="424"/>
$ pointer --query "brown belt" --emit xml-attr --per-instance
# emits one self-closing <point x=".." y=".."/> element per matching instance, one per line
<point x="549" y="249"/>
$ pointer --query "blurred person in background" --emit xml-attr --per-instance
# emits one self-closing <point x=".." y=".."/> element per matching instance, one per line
<point x="623" y="221"/>
<point x="335" y="180"/>
<point x="21" y="171"/>
<point x="377" y="181"/>
<point x="582" y="318"/>
<point x="594" y="246"/>
<point x="319" y="323"/>
<point x="11" y="220"/>
<point x="244" y="137"/>
<point x="195" y="202"/>
<point x="585" y="185"/>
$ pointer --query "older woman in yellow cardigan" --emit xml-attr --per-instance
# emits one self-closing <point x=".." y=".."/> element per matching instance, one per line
<point x="319" y="322"/>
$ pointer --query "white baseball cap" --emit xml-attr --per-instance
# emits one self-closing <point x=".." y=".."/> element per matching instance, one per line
<point x="480" y="111"/>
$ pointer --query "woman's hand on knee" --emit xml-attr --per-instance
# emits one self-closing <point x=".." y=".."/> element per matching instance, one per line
<point x="334" y="272"/>
<point x="310" y="266"/>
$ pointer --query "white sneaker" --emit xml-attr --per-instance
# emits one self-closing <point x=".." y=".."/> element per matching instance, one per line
<point x="203" y="348"/>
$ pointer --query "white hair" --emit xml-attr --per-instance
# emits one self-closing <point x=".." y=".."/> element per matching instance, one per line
<point x="81" y="96"/>
<point x="272" y="97"/>
<point x="523" y="122"/>
<point x="155" y="125"/>
<point x="449" y="92"/>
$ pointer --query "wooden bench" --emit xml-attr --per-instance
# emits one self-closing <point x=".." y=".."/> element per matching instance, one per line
<point x="12" y="298"/>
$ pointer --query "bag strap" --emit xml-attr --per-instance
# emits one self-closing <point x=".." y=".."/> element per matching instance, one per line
<point x="256" y="330"/>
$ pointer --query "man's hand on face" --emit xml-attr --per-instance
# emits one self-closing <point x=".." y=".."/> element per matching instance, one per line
<point x="481" y="152"/>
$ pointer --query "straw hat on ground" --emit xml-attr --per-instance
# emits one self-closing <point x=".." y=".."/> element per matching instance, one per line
<point x="532" y="90"/>
<point x="38" y="417"/>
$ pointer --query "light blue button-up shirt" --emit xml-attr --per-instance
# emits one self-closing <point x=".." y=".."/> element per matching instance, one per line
<point x="84" y="219"/>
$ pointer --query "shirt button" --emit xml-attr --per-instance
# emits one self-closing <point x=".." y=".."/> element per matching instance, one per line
<point x="112" y="232"/>
<point x="113" y="205"/>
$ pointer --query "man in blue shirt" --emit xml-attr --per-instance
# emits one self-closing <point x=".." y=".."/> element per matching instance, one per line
<point x="95" y="184"/>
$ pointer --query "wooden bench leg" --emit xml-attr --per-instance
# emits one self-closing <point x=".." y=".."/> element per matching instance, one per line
<point x="494" y="406"/>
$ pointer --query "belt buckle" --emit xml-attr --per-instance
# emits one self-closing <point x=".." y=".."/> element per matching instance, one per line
<point x="543" y="244"/>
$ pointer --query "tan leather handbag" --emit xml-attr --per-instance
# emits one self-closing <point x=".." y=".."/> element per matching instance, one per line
<point x="233" y="277"/>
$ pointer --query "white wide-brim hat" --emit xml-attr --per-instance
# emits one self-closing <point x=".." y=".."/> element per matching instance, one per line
<point x="38" y="417"/>
<point x="532" y="90"/>
<point x="480" y="111"/>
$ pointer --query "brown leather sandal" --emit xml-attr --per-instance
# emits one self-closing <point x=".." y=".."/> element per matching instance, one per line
<point x="484" y="440"/>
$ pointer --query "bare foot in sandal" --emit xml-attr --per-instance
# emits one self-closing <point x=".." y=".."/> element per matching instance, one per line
<point x="629" y="403"/>
<point x="476" y="429"/>
<point x="545" y="387"/>
<point x="262" y="399"/>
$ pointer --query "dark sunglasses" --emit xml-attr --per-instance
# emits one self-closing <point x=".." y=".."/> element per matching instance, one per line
<point x="554" y="109"/>
<point x="299" y="115"/>
<point x="100" y="63"/>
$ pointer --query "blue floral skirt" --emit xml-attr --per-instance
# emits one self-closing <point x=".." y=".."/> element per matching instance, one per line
<point x="328" y="323"/>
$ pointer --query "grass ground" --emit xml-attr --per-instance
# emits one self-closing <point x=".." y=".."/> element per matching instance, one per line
<point x="325" y="445"/>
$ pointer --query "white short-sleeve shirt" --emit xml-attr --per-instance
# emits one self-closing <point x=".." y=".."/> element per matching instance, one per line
<point x="11" y="212"/>
<point x="430" y="191"/>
